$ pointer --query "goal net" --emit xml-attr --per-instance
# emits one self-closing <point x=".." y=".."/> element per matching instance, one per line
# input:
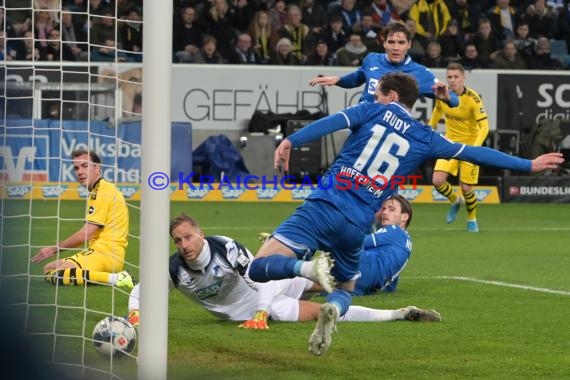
<point x="70" y="79"/>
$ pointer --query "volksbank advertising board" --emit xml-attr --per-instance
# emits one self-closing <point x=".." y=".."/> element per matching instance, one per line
<point x="40" y="150"/>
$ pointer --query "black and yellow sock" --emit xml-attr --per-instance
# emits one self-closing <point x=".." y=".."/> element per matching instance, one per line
<point x="471" y="204"/>
<point x="76" y="276"/>
<point x="447" y="191"/>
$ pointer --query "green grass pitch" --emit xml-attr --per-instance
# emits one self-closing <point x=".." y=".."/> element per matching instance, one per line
<point x="504" y="295"/>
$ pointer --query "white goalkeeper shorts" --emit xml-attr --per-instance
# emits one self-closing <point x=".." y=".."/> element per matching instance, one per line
<point x="285" y="307"/>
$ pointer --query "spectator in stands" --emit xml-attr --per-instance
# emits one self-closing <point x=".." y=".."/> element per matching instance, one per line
<point x="350" y="14"/>
<point x="209" y="53"/>
<point x="243" y="51"/>
<point x="419" y="43"/>
<point x="524" y="43"/>
<point x="322" y="56"/>
<point x="278" y="14"/>
<point x="29" y="50"/>
<point x="542" y="20"/>
<point x="98" y="7"/>
<point x="75" y="5"/>
<point x="383" y="13"/>
<point x="52" y="6"/>
<point x="353" y="53"/>
<point x="54" y="51"/>
<point x="3" y="54"/>
<point x="508" y="58"/>
<point x="103" y="29"/>
<point x="73" y="35"/>
<point x="314" y="15"/>
<point x="431" y="17"/>
<point x="541" y="58"/>
<point x="219" y="22"/>
<point x="187" y="35"/>
<point x="242" y="14"/>
<point x="485" y="40"/>
<point x="124" y="5"/>
<point x="466" y="13"/>
<point x="108" y="52"/>
<point x="335" y="35"/>
<point x="433" y="57"/>
<point x="264" y="36"/>
<point x="43" y="26"/>
<point x="284" y="53"/>
<point x="371" y="36"/>
<point x="298" y="33"/>
<point x="503" y="19"/>
<point x="11" y="45"/>
<point x="452" y="41"/>
<point x="402" y="7"/>
<point x="470" y="59"/>
<point x="15" y="26"/>
<point x="131" y="34"/>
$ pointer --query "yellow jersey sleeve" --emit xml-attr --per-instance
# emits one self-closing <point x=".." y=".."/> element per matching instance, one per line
<point x="436" y="114"/>
<point x="106" y="208"/>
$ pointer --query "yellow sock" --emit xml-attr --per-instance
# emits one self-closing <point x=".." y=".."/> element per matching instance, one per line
<point x="447" y="191"/>
<point x="76" y="276"/>
<point x="471" y="204"/>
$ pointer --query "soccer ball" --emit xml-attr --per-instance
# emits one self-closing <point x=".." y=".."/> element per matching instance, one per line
<point x="114" y="336"/>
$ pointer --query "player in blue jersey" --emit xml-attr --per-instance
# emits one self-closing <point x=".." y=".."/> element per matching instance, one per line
<point x="386" y="143"/>
<point x="397" y="42"/>
<point x="385" y="252"/>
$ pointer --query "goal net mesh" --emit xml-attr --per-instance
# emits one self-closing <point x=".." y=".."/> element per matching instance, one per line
<point x="70" y="79"/>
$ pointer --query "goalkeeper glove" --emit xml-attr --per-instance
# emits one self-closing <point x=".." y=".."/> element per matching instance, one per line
<point x="259" y="322"/>
<point x="134" y="317"/>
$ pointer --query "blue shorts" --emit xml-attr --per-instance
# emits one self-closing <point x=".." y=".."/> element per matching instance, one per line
<point x="319" y="225"/>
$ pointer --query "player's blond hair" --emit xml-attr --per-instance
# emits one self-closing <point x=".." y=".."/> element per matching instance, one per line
<point x="182" y="218"/>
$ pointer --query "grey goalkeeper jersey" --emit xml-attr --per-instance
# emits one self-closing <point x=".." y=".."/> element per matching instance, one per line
<point x="223" y="286"/>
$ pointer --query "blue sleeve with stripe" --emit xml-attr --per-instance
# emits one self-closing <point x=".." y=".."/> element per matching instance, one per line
<point x="440" y="147"/>
<point x="369" y="241"/>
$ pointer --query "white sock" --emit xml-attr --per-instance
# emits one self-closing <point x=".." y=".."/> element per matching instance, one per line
<point x="366" y="314"/>
<point x="307" y="270"/>
<point x="113" y="277"/>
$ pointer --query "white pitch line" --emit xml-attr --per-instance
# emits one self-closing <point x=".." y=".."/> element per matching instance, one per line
<point x="496" y="283"/>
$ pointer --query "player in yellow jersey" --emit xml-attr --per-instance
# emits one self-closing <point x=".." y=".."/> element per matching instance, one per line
<point x="467" y="124"/>
<point x="105" y="233"/>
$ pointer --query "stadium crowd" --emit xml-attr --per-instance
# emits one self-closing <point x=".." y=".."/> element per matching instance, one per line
<point x="505" y="34"/>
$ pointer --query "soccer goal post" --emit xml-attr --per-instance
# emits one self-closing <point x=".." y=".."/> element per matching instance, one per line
<point x="155" y="205"/>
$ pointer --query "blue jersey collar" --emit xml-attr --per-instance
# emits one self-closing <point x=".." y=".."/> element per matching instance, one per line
<point x="406" y="60"/>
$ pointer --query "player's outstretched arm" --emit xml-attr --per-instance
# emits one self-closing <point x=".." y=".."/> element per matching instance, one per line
<point x="325" y="81"/>
<point x="547" y="161"/>
<point x="79" y="238"/>
<point x="282" y="154"/>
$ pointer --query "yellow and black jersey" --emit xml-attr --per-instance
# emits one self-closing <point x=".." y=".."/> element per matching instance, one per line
<point x="107" y="209"/>
<point x="466" y="123"/>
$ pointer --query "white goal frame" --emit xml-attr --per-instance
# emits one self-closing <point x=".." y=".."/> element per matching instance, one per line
<point x="155" y="205"/>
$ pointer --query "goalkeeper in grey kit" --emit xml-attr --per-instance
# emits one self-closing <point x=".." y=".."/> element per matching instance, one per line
<point x="213" y="272"/>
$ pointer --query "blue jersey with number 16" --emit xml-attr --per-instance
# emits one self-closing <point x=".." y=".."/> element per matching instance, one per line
<point x="386" y="144"/>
